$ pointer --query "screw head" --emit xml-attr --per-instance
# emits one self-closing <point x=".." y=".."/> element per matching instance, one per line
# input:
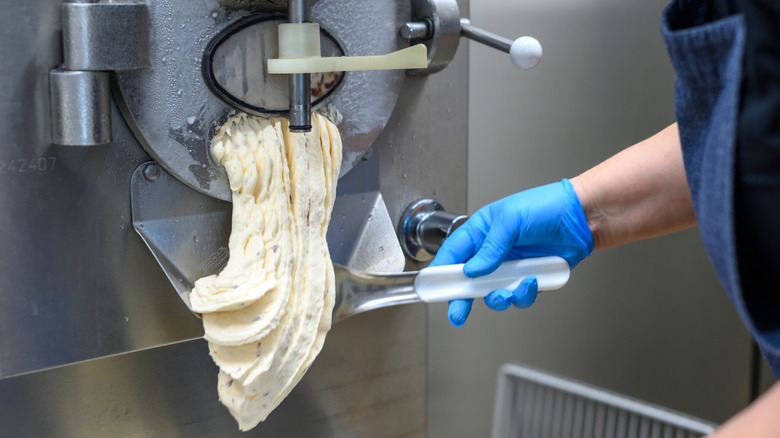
<point x="152" y="172"/>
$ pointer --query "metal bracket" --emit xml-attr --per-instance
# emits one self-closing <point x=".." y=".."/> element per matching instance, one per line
<point x="97" y="37"/>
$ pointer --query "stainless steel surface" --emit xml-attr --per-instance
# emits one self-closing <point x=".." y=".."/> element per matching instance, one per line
<point x="368" y="381"/>
<point x="300" y="83"/>
<point x="174" y="115"/>
<point x="105" y="35"/>
<point x="80" y="107"/>
<point x="532" y="403"/>
<point x="482" y="36"/>
<point x="79" y="284"/>
<point x="187" y="232"/>
<point x="423" y="228"/>
<point x="443" y="39"/>
<point x="362" y="234"/>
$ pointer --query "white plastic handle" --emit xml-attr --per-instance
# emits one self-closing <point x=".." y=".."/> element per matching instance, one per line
<point x="444" y="283"/>
<point x="525" y="52"/>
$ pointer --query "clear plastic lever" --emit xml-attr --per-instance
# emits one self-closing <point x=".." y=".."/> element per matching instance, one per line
<point x="299" y="52"/>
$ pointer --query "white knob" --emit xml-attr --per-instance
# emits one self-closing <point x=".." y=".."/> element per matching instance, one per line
<point x="525" y="52"/>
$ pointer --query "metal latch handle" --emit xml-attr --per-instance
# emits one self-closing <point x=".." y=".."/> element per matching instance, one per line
<point x="525" y="52"/>
<point x="438" y="24"/>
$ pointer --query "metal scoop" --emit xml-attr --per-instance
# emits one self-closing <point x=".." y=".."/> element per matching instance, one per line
<point x="358" y="292"/>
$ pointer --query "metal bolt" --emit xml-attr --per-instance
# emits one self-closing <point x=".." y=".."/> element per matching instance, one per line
<point x="151" y="172"/>
<point x="415" y="30"/>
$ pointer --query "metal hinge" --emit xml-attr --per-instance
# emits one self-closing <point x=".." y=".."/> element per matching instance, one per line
<point x="97" y="37"/>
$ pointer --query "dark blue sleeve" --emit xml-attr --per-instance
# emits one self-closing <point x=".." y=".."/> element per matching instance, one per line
<point x="757" y="165"/>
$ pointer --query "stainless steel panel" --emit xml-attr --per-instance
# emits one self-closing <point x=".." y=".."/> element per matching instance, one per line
<point x="369" y="381"/>
<point x="78" y="283"/>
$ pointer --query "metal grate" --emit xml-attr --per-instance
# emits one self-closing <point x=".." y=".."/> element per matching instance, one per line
<point x="534" y="404"/>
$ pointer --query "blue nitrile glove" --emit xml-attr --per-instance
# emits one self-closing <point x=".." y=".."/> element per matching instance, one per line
<point x="542" y="221"/>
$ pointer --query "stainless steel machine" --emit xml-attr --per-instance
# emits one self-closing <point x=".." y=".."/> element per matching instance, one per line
<point x="107" y="192"/>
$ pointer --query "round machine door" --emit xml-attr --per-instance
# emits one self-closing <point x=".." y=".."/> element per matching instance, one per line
<point x="208" y="62"/>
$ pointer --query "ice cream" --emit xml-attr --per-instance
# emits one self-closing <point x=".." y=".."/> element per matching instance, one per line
<point x="266" y="314"/>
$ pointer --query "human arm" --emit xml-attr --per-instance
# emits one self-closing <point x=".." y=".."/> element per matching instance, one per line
<point x="759" y="420"/>
<point x="640" y="192"/>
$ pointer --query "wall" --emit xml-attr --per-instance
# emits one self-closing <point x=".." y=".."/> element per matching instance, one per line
<point x="648" y="319"/>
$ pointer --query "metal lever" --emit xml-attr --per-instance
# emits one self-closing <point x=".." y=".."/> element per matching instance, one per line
<point x="438" y="24"/>
<point x="423" y="228"/>
<point x="525" y="51"/>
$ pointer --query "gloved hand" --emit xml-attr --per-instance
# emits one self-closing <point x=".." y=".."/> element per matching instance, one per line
<point x="542" y="221"/>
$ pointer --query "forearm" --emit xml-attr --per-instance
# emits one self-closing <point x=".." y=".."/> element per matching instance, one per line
<point x="639" y="193"/>
<point x="759" y="420"/>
